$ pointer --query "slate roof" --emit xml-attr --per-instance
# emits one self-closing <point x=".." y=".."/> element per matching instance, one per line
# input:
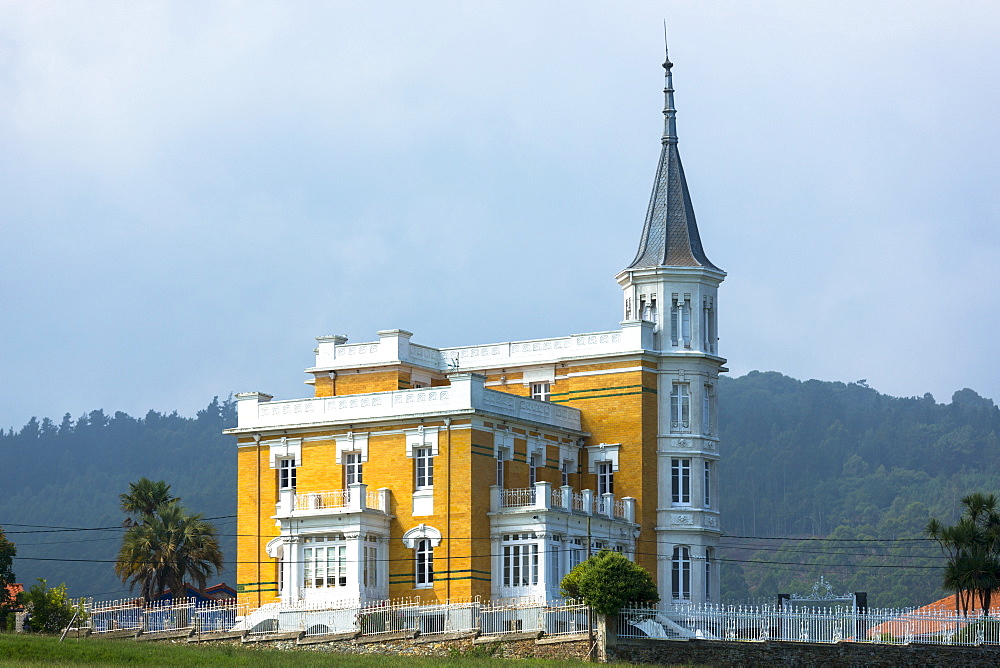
<point x="670" y="234"/>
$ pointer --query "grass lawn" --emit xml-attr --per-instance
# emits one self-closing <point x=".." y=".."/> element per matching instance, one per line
<point x="33" y="650"/>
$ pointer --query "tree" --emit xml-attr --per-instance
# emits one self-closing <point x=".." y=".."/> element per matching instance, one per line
<point x="164" y="545"/>
<point x="608" y="581"/>
<point x="143" y="498"/>
<point x="7" y="552"/>
<point x="49" y="610"/>
<point x="973" y="549"/>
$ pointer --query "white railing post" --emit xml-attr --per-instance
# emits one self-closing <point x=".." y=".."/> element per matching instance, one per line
<point x="588" y="501"/>
<point x="567" y="497"/>
<point x="383" y="499"/>
<point x="629" y="508"/>
<point x="608" y="501"/>
<point x="543" y="495"/>
<point x="358" y="500"/>
<point x="286" y="501"/>
<point x="496" y="493"/>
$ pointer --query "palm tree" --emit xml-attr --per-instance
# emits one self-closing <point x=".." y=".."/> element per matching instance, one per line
<point x="144" y="496"/>
<point x="167" y="547"/>
<point x="973" y="549"/>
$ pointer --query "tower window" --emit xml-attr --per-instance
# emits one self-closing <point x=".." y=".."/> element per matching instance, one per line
<point x="680" y="481"/>
<point x="708" y="484"/>
<point x="706" y="410"/>
<point x="532" y="470"/>
<point x="680" y="579"/>
<point x="680" y="407"/>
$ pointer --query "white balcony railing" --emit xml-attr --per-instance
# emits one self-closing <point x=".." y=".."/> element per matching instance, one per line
<point x="356" y="498"/>
<point x="543" y="497"/>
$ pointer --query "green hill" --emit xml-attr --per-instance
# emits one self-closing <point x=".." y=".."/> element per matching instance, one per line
<point x="801" y="461"/>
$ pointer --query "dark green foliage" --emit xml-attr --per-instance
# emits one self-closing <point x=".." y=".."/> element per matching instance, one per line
<point x="608" y="581"/>
<point x="973" y="548"/>
<point x="164" y="546"/>
<point x="7" y="552"/>
<point x="70" y="475"/>
<point x="822" y="459"/>
<point x="50" y="609"/>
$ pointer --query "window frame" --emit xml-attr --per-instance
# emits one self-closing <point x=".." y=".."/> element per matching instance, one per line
<point x="680" y="481"/>
<point x="680" y="573"/>
<point x="324" y="558"/>
<point x="287" y="472"/>
<point x="423" y="564"/>
<point x="680" y="407"/>
<point x="423" y="468"/>
<point x="353" y="468"/>
<point x="541" y="390"/>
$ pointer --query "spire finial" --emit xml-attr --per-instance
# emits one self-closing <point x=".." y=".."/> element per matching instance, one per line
<point x="669" y="113"/>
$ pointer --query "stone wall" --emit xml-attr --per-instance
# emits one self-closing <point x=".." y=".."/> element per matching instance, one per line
<point x="775" y="653"/>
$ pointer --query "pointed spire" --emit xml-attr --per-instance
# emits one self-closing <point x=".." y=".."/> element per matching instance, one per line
<point x="670" y="234"/>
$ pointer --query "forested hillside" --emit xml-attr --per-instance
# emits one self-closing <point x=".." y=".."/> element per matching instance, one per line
<point x="819" y="459"/>
<point x="70" y="475"/>
<point x="801" y="461"/>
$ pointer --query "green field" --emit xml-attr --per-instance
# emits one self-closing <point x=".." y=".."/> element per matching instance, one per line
<point x="32" y="650"/>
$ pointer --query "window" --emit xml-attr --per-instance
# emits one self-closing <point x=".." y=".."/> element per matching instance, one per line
<point x="501" y="455"/>
<point x="532" y="470"/>
<point x="424" y="567"/>
<point x="708" y="484"/>
<point x="520" y="560"/>
<point x="352" y="468"/>
<point x="680" y="481"/>
<point x="540" y="391"/>
<point x="369" y="573"/>
<point x="554" y="562"/>
<point x="686" y="322"/>
<point x="709" y="557"/>
<point x="680" y="573"/>
<point x="680" y="407"/>
<point x="605" y="479"/>
<point x="324" y="561"/>
<point x="706" y="410"/>
<point x="423" y="465"/>
<point x="680" y="321"/>
<point x="565" y="471"/>
<point x="575" y="552"/>
<point x="286" y="473"/>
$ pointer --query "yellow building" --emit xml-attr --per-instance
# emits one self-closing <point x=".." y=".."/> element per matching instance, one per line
<point x="491" y="470"/>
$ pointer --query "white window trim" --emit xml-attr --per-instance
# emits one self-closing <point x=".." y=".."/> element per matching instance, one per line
<point x="544" y="375"/>
<point x="421" y="532"/>
<point x="421" y="437"/>
<point x="286" y="448"/>
<point x="352" y="442"/>
<point x="605" y="452"/>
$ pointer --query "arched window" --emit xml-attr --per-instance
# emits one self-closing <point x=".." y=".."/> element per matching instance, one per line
<point x="681" y="573"/>
<point x="422" y="539"/>
<point x="424" y="567"/>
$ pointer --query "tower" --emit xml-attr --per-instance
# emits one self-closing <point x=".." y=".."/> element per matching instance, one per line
<point x="673" y="284"/>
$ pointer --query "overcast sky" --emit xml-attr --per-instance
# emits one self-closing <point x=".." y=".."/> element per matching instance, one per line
<point x="191" y="192"/>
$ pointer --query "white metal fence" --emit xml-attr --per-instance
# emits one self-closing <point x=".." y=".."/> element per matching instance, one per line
<point x="155" y="616"/>
<point x="817" y="624"/>
<point x="347" y="616"/>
